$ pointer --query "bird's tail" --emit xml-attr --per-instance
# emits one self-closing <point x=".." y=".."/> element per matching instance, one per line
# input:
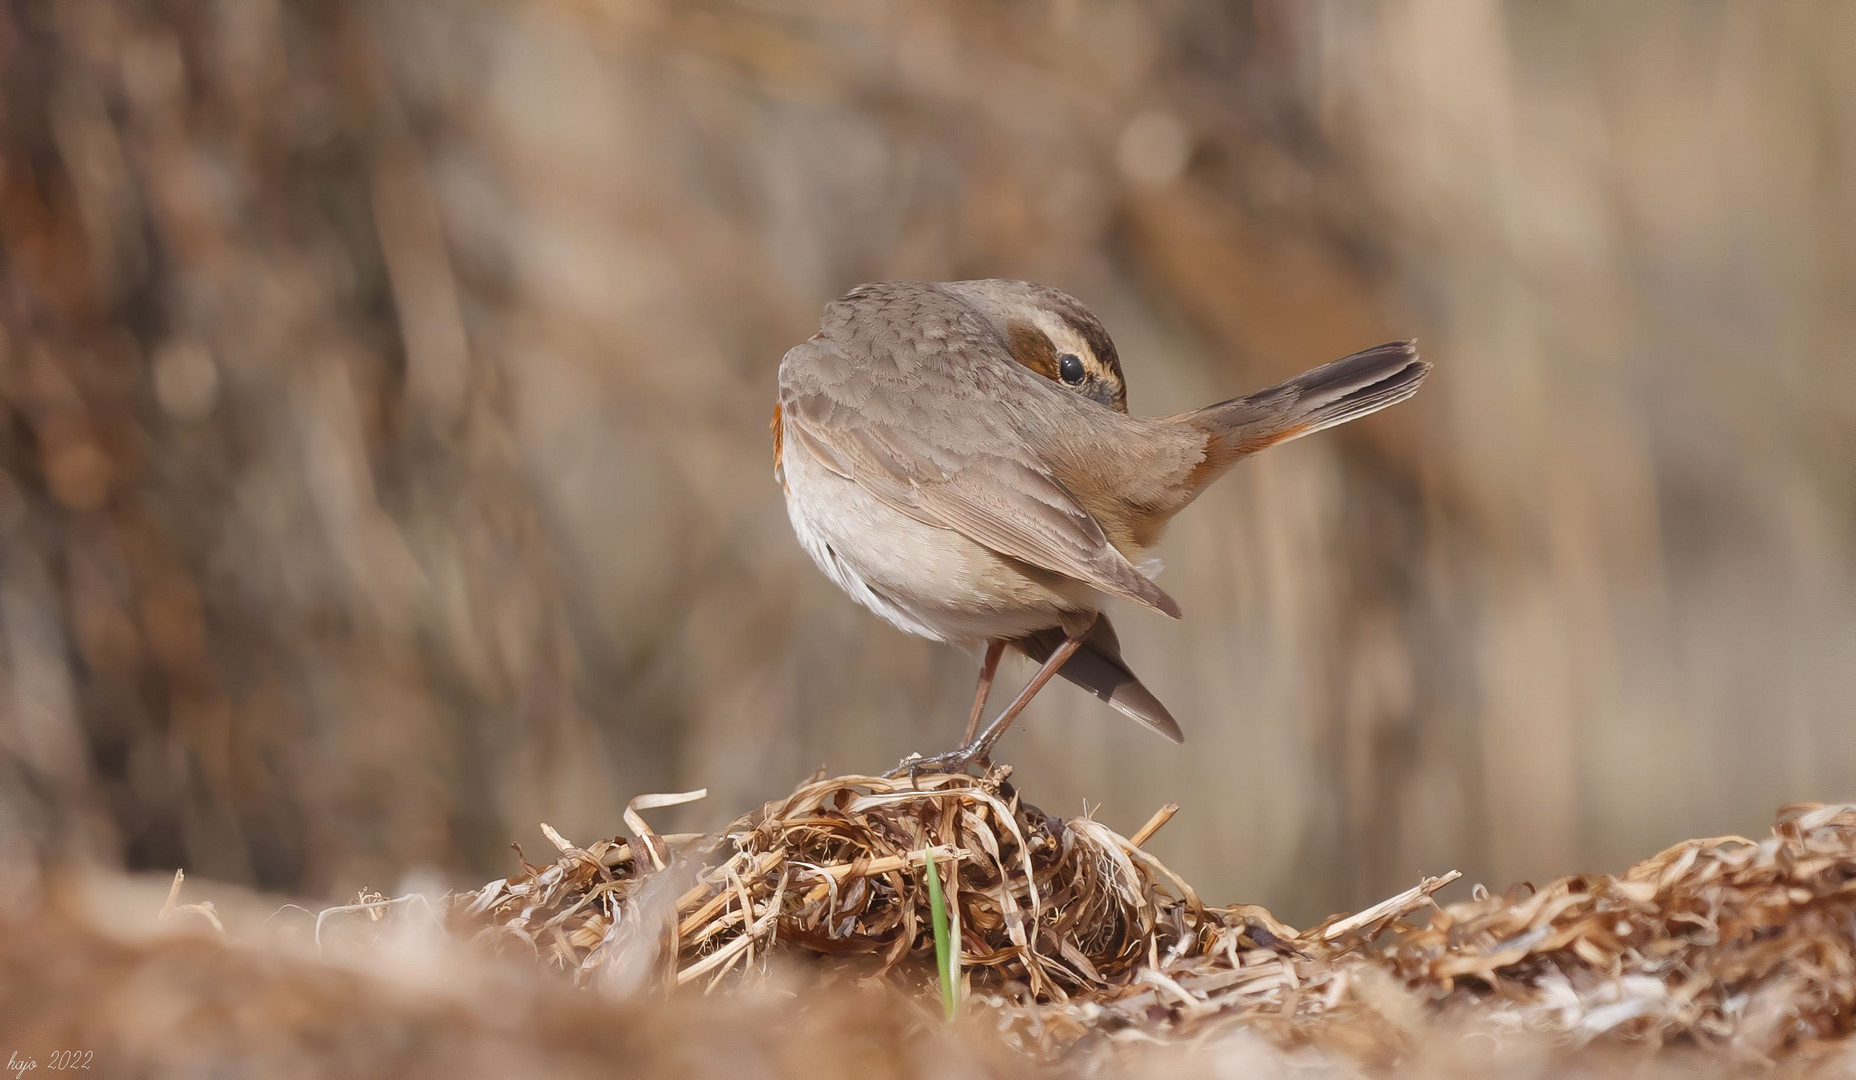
<point x="1331" y="394"/>
<point x="1098" y="668"/>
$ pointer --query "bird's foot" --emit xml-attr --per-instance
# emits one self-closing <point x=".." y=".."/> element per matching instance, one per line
<point x="953" y="761"/>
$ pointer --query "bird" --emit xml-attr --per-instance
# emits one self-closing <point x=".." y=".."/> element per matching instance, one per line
<point x="959" y="458"/>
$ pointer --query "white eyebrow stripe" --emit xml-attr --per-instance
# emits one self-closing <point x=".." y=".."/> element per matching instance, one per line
<point x="1062" y="335"/>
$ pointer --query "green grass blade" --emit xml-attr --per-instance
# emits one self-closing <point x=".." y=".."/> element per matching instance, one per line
<point x="943" y="939"/>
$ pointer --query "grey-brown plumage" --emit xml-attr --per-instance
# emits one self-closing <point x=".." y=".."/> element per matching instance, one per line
<point x="958" y="457"/>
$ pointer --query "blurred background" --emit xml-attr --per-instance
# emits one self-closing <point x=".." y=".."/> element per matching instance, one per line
<point x="384" y="464"/>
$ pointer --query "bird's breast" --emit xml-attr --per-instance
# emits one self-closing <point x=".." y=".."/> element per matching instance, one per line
<point x="778" y="428"/>
<point x="929" y="581"/>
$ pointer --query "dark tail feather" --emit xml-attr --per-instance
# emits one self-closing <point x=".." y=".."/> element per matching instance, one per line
<point x="1331" y="394"/>
<point x="1098" y="668"/>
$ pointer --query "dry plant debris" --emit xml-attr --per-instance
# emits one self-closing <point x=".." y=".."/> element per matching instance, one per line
<point x="1745" y="947"/>
<point x="1071" y="934"/>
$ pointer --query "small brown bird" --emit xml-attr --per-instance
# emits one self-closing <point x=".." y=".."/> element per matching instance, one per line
<point x="958" y="456"/>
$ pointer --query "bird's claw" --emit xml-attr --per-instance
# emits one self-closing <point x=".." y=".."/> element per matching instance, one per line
<point x="910" y="766"/>
<point x="953" y="761"/>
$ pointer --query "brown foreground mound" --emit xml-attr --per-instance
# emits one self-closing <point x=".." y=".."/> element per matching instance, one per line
<point x="803" y="941"/>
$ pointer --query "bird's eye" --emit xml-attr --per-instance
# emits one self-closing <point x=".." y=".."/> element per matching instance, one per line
<point x="1070" y="368"/>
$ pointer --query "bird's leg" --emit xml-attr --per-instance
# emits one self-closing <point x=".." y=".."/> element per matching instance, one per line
<point x="977" y="748"/>
<point x="989" y="666"/>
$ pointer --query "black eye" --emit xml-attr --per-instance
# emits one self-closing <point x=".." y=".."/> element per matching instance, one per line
<point x="1070" y="368"/>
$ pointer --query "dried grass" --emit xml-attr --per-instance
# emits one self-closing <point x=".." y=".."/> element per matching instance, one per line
<point x="1746" y="948"/>
<point x="798" y="942"/>
<point x="1072" y="936"/>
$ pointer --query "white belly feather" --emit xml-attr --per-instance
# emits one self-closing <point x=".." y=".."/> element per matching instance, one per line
<point x="928" y="581"/>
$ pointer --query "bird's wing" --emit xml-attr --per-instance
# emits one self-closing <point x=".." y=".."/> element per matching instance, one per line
<point x="908" y="393"/>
